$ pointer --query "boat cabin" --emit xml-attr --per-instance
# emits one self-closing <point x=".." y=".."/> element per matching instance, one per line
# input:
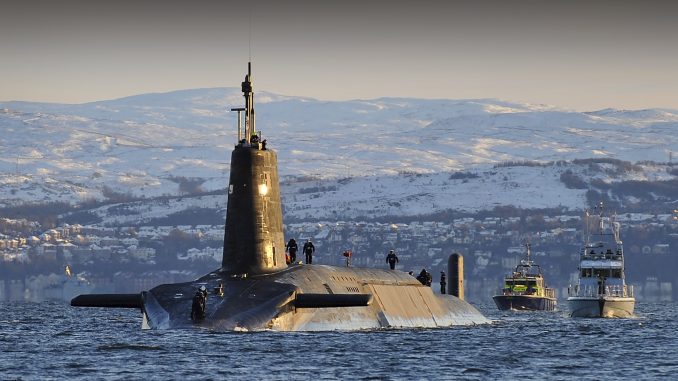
<point x="601" y="270"/>
<point x="523" y="286"/>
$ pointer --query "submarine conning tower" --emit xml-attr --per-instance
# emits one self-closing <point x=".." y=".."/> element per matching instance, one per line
<point x="253" y="237"/>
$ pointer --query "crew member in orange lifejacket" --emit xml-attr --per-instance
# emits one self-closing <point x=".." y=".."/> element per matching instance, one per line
<point x="292" y="249"/>
<point x="348" y="254"/>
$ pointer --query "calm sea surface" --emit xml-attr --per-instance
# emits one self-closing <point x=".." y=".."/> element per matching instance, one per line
<point x="56" y="341"/>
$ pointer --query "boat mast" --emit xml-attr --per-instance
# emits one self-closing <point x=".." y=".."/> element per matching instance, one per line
<point x="587" y="229"/>
<point x="529" y="253"/>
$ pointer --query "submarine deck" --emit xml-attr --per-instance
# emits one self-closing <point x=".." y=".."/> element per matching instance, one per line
<point x="269" y="301"/>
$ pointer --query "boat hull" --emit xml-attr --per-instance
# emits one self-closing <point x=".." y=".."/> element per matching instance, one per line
<point x="524" y="303"/>
<point x="605" y="307"/>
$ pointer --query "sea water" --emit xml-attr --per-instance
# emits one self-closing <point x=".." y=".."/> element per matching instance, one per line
<point x="55" y="341"/>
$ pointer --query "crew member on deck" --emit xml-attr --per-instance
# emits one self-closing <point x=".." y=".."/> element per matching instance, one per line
<point x="292" y="250"/>
<point x="443" y="283"/>
<point x="309" y="249"/>
<point x="219" y="290"/>
<point x="425" y="278"/>
<point x="392" y="259"/>
<point x="422" y="278"/>
<point x="199" y="304"/>
<point x="348" y="254"/>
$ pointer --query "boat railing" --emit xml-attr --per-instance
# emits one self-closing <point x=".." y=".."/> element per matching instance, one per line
<point x="542" y="292"/>
<point x="601" y="255"/>
<point x="624" y="291"/>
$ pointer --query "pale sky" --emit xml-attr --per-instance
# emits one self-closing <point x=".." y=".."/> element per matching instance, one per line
<point x="582" y="55"/>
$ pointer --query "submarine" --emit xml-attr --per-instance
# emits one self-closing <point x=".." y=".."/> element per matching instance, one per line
<point x="256" y="289"/>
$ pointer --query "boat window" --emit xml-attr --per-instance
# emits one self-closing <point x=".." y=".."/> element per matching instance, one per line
<point x="586" y="273"/>
<point x="601" y="273"/>
<point x="616" y="273"/>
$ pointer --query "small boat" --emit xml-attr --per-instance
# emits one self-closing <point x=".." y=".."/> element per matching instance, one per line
<point x="601" y="290"/>
<point x="525" y="288"/>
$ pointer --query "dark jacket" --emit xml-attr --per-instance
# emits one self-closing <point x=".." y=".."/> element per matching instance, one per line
<point x="292" y="246"/>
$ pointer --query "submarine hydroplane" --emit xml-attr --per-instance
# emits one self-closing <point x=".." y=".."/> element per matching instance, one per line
<point x="255" y="289"/>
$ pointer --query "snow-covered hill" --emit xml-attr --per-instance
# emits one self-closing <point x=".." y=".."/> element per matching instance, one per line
<point x="561" y="185"/>
<point x="148" y="145"/>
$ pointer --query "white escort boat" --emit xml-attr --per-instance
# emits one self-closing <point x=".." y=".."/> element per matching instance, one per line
<point x="602" y="290"/>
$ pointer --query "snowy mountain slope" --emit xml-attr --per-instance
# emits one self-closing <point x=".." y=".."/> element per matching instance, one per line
<point x="412" y="194"/>
<point x="142" y="144"/>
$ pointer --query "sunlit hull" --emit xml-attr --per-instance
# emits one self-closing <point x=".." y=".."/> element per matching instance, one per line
<point x="605" y="307"/>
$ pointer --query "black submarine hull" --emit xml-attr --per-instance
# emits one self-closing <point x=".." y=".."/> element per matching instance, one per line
<point x="308" y="298"/>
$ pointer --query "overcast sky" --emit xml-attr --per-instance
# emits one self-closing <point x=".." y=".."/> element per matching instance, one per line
<point x="582" y="55"/>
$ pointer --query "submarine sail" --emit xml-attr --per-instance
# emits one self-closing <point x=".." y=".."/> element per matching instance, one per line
<point x="255" y="289"/>
<point x="253" y="237"/>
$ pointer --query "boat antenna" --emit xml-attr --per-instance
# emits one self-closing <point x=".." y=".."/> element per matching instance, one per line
<point x="529" y="253"/>
<point x="615" y="228"/>
<point x="587" y="217"/>
<point x="601" y="222"/>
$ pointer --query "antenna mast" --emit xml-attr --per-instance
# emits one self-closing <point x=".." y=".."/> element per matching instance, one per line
<point x="529" y="253"/>
<point x="250" y="128"/>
